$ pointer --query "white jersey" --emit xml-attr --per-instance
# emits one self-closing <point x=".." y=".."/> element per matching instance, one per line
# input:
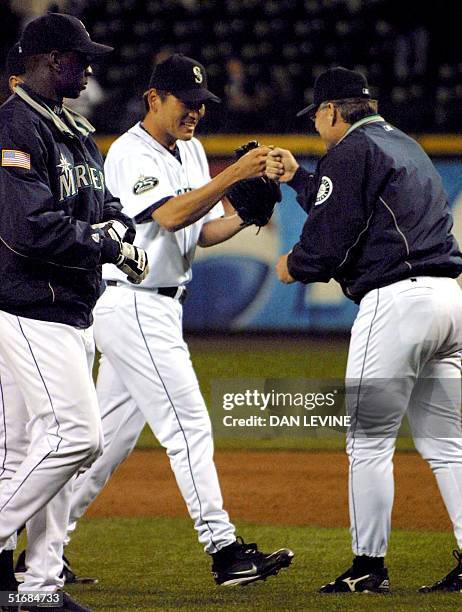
<point x="140" y="172"/>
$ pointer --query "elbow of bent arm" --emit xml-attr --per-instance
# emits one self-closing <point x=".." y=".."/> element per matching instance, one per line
<point x="17" y="238"/>
<point x="203" y="242"/>
<point x="168" y="219"/>
<point x="170" y="226"/>
<point x="165" y="222"/>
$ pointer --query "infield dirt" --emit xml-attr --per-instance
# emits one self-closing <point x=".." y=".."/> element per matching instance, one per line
<point x="283" y="487"/>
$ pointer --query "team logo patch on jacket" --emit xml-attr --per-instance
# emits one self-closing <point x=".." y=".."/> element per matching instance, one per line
<point x="145" y="183"/>
<point x="324" y="191"/>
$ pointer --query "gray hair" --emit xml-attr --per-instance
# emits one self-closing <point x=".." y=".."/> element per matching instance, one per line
<point x="355" y="109"/>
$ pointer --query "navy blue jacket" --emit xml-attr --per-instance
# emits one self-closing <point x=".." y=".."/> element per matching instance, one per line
<point x="50" y="256"/>
<point x="377" y="213"/>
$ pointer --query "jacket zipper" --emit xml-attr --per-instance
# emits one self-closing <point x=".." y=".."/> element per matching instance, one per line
<point x="52" y="293"/>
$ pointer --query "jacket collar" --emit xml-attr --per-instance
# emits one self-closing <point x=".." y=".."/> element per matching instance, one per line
<point x="360" y="123"/>
<point x="76" y="121"/>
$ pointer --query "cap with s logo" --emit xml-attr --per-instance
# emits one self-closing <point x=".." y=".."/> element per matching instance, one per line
<point x="183" y="77"/>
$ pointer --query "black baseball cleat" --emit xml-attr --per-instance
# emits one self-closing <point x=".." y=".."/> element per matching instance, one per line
<point x="7" y="579"/>
<point x="241" y="563"/>
<point x="71" y="578"/>
<point x="354" y="581"/>
<point x="67" y="574"/>
<point x="20" y="567"/>
<point x="452" y="583"/>
<point x="69" y="605"/>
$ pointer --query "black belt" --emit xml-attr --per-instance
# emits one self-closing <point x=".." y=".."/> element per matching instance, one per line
<point x="170" y="292"/>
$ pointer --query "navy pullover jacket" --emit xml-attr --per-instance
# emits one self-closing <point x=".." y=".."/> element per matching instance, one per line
<point x="377" y="213"/>
<point x="51" y="191"/>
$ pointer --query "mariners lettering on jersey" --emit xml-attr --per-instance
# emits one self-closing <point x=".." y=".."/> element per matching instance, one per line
<point x="182" y="190"/>
<point x="72" y="178"/>
<point x="324" y="191"/>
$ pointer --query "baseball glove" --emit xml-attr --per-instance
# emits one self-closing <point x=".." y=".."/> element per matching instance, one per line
<point x="254" y="199"/>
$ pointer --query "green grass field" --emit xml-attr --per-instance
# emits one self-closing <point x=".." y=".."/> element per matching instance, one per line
<point x="156" y="564"/>
<point x="273" y="358"/>
<point x="257" y="357"/>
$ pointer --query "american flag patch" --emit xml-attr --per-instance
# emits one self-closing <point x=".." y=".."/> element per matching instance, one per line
<point x="17" y="159"/>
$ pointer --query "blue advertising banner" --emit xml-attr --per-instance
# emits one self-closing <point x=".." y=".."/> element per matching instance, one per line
<point x="234" y="286"/>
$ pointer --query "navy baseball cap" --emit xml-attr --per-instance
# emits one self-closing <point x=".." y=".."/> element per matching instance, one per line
<point x="183" y="77"/>
<point x="337" y="84"/>
<point x="14" y="63"/>
<point x="58" y="32"/>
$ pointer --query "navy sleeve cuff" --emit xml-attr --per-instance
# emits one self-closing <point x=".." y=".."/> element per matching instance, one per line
<point x="293" y="271"/>
<point x="303" y="268"/>
<point x="300" y="179"/>
<point x="146" y="215"/>
<point x="110" y="249"/>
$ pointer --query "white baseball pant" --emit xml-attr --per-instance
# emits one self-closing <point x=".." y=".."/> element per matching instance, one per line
<point x="49" y="363"/>
<point x="146" y="366"/>
<point x="14" y="439"/>
<point x="46" y="529"/>
<point x="122" y="425"/>
<point x="404" y="357"/>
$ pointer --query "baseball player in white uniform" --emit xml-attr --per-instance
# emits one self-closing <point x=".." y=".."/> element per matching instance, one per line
<point x="160" y="173"/>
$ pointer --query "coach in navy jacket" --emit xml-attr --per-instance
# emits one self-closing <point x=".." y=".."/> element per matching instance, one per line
<point x="379" y="223"/>
<point x="377" y="210"/>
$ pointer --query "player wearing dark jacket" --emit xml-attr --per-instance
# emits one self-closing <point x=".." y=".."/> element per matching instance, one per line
<point x="50" y="253"/>
<point x="379" y="223"/>
<point x="381" y="202"/>
<point x="58" y="224"/>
